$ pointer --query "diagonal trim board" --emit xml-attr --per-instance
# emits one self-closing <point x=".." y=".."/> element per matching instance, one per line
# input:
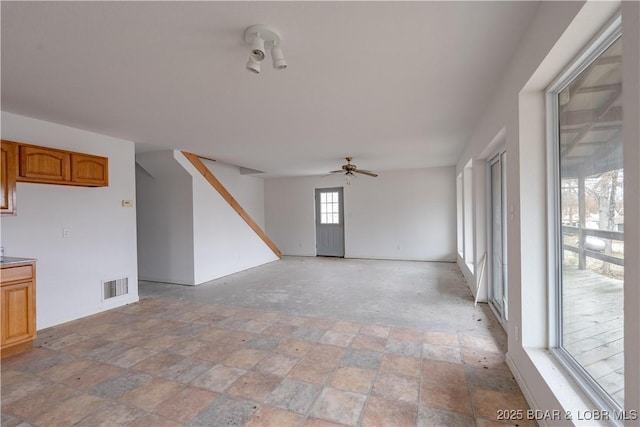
<point x="206" y="173"/>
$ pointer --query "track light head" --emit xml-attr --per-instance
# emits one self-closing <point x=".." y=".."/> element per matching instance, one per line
<point x="257" y="48"/>
<point x="253" y="65"/>
<point x="278" y="58"/>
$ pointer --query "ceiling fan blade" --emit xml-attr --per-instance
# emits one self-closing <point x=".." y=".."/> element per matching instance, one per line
<point x="366" y="172"/>
<point x="338" y="171"/>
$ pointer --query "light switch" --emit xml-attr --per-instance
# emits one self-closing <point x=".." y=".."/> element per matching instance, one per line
<point x="66" y="233"/>
<point x="127" y="203"/>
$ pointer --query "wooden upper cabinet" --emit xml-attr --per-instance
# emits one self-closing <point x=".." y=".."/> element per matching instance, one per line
<point x="40" y="164"/>
<point x="8" y="171"/>
<point x="89" y="170"/>
<point x="53" y="166"/>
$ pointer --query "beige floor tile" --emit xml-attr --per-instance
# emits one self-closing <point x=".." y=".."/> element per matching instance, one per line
<point x="151" y="394"/>
<point x="347" y="327"/>
<point x="16" y="385"/>
<point x="397" y="387"/>
<point x="341" y="339"/>
<point x="402" y="365"/>
<point x="66" y="369"/>
<point x="447" y="396"/>
<point x="338" y="406"/>
<point x="429" y="417"/>
<point x="186" y="404"/>
<point x="245" y="358"/>
<point x="312" y="371"/>
<point x="255" y="386"/>
<point x="277" y="364"/>
<point x="444" y="372"/>
<point x="71" y="410"/>
<point x="218" y="378"/>
<point x="113" y="415"/>
<point x="368" y="342"/>
<point x="158" y="363"/>
<point x="488" y="403"/>
<point x="325" y="353"/>
<point x="155" y="421"/>
<point x="484" y="343"/>
<point x="483" y="359"/>
<point x="91" y="376"/>
<point x="316" y="422"/>
<point x="355" y="380"/>
<point x="295" y="348"/>
<point x="280" y="330"/>
<point x="318" y="323"/>
<point x="442" y="338"/>
<point x="39" y="401"/>
<point x="131" y="357"/>
<point x="407" y="334"/>
<point x="376" y="330"/>
<point x="441" y="352"/>
<point x="272" y="417"/>
<point x="235" y="340"/>
<point x="212" y="334"/>
<point x="381" y="412"/>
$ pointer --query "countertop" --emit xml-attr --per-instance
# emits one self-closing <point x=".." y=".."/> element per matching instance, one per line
<point x="6" y="261"/>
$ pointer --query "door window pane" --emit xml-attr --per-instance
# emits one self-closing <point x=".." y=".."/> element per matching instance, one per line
<point x="329" y="208"/>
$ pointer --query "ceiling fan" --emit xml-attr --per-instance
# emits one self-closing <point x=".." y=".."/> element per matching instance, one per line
<point x="350" y="168"/>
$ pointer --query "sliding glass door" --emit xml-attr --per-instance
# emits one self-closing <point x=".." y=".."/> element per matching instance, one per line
<point x="497" y="244"/>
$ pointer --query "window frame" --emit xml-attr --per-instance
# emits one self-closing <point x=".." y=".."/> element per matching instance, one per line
<point x="610" y="33"/>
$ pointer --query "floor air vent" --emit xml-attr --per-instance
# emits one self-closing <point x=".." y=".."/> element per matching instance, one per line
<point x="115" y="288"/>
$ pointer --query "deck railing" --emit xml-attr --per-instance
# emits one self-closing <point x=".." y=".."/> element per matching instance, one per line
<point x="582" y="250"/>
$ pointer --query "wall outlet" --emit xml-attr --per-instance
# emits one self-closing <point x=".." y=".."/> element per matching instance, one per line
<point x="127" y="203"/>
<point x="66" y="233"/>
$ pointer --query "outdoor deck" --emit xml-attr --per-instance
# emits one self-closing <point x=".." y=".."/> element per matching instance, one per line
<point x="593" y="326"/>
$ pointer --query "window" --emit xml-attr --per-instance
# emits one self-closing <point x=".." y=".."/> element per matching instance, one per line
<point x="589" y="220"/>
<point x="330" y="208"/>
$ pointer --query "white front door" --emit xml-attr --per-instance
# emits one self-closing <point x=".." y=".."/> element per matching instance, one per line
<point x="329" y="222"/>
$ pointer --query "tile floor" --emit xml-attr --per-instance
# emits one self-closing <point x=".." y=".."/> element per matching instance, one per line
<point x="171" y="362"/>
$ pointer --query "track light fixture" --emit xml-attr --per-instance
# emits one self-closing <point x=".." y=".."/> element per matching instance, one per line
<point x="278" y="58"/>
<point x="261" y="37"/>
<point x="253" y="65"/>
<point x="257" y="48"/>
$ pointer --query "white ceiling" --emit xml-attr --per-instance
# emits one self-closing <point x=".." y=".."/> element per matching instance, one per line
<point x="394" y="84"/>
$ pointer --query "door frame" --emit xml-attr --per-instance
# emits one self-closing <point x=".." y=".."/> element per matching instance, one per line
<point x="500" y="156"/>
<point x="316" y="210"/>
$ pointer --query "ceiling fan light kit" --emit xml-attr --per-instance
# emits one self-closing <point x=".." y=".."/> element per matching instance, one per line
<point x="350" y="168"/>
<point x="262" y="37"/>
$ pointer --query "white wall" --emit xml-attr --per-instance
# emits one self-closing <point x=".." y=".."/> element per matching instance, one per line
<point x="248" y="190"/>
<point x="165" y="219"/>
<point x="223" y="243"/>
<point x="407" y="214"/>
<point x="557" y="34"/>
<point x="102" y="242"/>
<point x="188" y="233"/>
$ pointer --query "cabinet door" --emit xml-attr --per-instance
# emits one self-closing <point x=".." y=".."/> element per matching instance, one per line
<point x="38" y="164"/>
<point x="8" y="173"/>
<point x="89" y="170"/>
<point x="18" y="313"/>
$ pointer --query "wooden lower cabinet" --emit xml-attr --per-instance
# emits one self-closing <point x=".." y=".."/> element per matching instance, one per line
<point x="17" y="308"/>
